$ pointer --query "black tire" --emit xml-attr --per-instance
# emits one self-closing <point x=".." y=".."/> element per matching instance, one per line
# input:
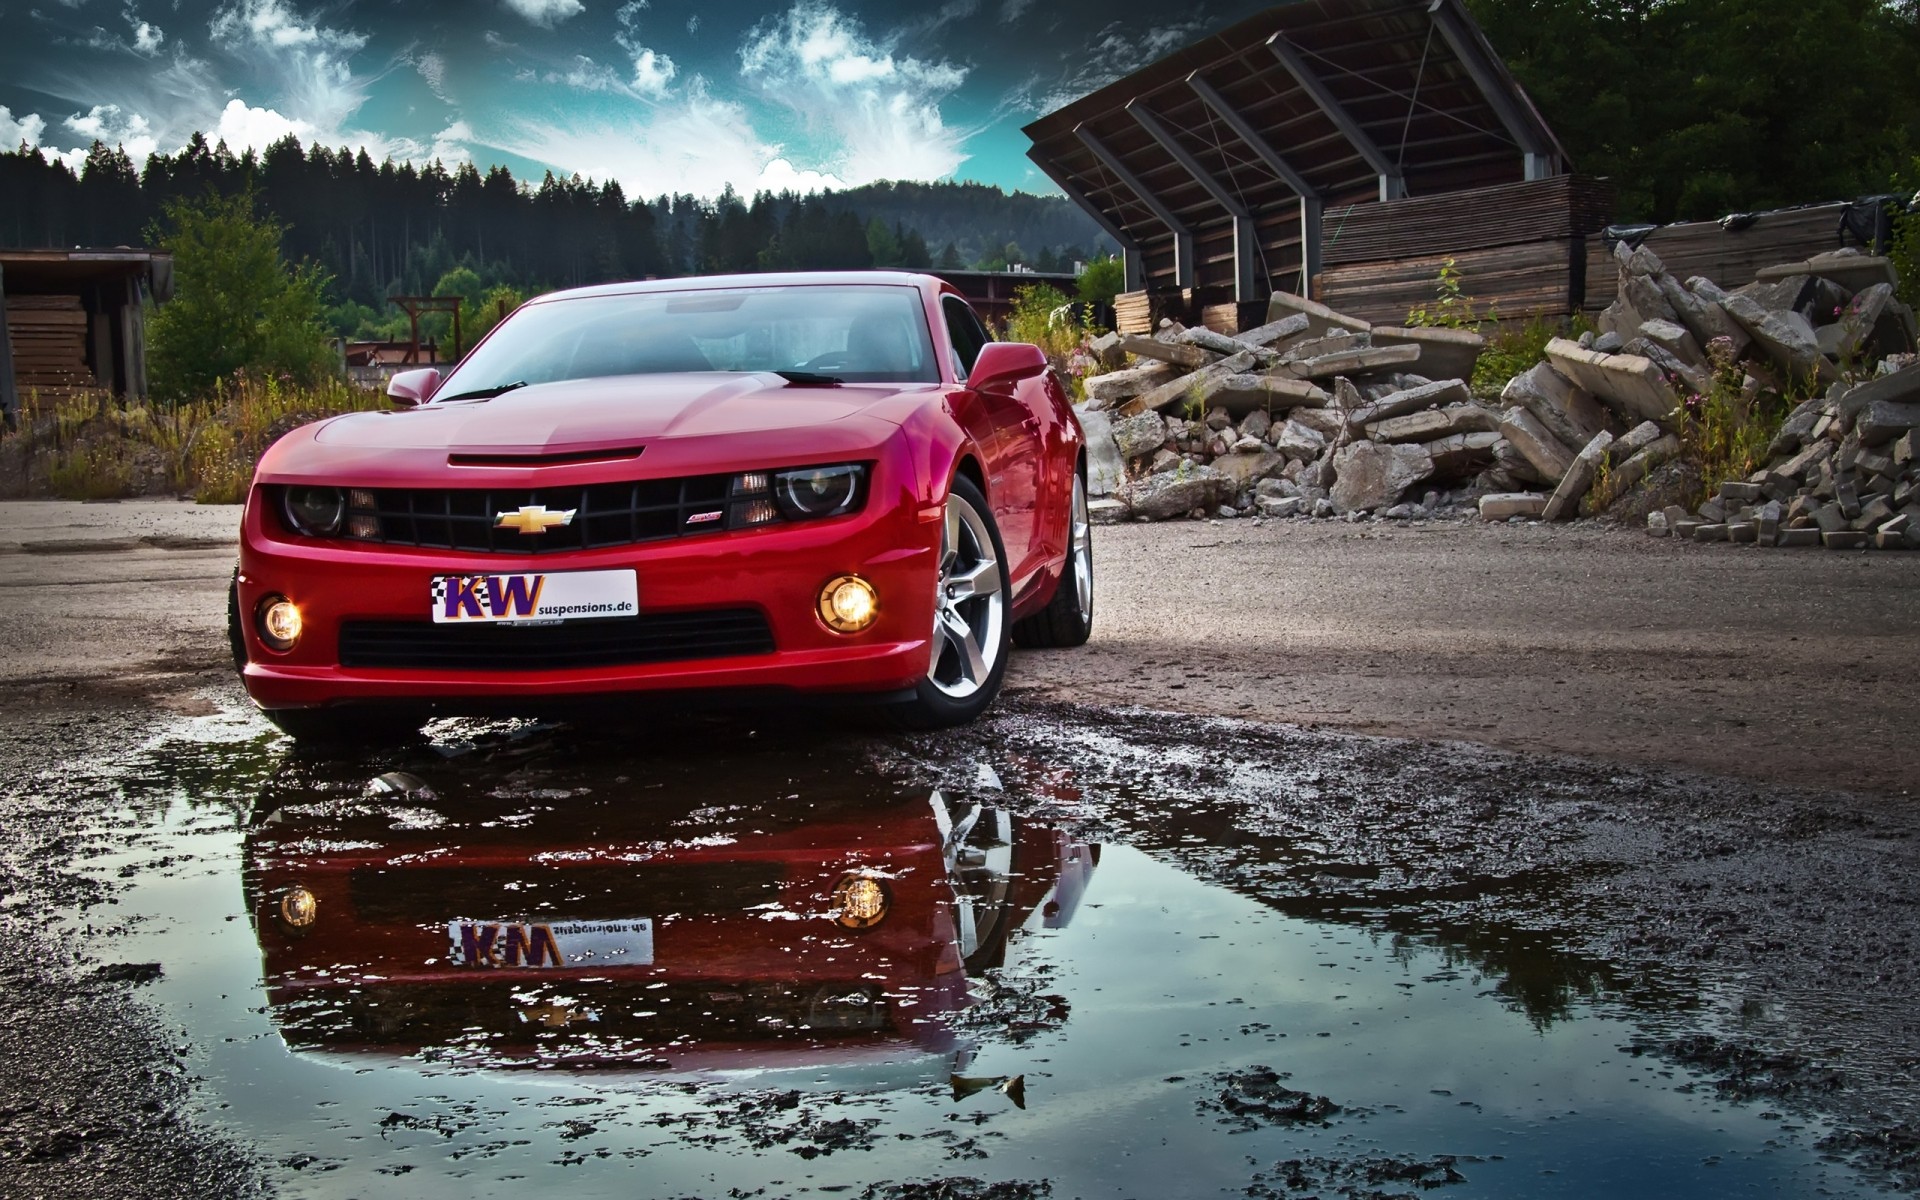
<point x="951" y="694"/>
<point x="1067" y="620"/>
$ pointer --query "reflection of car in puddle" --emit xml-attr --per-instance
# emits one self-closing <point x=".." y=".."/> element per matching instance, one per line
<point x="641" y="927"/>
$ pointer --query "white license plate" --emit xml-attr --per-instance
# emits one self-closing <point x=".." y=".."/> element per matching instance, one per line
<point x="574" y="945"/>
<point x="536" y="598"/>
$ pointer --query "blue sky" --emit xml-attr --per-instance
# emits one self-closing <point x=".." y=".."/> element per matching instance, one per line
<point x="663" y="95"/>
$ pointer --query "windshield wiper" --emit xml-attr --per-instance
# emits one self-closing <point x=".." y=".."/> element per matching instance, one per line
<point x="486" y="393"/>
<point x="810" y="378"/>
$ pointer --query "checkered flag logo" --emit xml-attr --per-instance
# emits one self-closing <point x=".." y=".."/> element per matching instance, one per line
<point x="439" y="589"/>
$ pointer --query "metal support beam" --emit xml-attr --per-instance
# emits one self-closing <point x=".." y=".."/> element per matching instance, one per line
<point x="1182" y="236"/>
<point x="1539" y="156"/>
<point x="1131" y="260"/>
<point x="1310" y="202"/>
<point x="1246" y="284"/>
<point x="1393" y="184"/>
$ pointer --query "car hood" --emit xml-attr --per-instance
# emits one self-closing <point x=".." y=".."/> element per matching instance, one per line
<point x="586" y="414"/>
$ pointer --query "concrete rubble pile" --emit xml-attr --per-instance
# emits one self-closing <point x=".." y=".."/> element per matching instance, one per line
<point x="1612" y="401"/>
<point x="1314" y="414"/>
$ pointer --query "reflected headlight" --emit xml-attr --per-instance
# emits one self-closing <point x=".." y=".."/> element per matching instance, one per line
<point x="299" y="908"/>
<point x="861" y="900"/>
<point x="315" y="511"/>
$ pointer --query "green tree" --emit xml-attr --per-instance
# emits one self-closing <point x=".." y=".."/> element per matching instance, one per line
<point x="950" y="259"/>
<point x="238" y="305"/>
<point x="883" y="244"/>
<point x="1102" y="280"/>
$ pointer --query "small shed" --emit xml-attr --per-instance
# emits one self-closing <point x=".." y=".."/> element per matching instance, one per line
<point x="74" y="321"/>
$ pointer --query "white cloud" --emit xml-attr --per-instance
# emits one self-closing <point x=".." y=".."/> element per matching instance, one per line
<point x="147" y="38"/>
<point x="107" y="124"/>
<point x="272" y="23"/>
<point x="547" y="13"/>
<point x="697" y="144"/>
<point x="782" y="176"/>
<point x="1013" y="10"/>
<point x="450" y="144"/>
<point x="880" y="109"/>
<point x="652" y="73"/>
<point x="433" y="69"/>
<point x="242" y="126"/>
<point x="24" y="129"/>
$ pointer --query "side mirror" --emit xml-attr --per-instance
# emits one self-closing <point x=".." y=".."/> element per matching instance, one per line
<point x="1003" y="363"/>
<point x="411" y="388"/>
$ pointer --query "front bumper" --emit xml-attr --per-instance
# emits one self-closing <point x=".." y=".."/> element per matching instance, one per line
<point x="778" y="571"/>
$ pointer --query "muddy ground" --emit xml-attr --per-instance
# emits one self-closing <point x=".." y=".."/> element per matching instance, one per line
<point x="1730" y="859"/>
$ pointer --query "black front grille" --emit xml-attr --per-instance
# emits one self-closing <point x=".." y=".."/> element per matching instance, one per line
<point x="661" y="637"/>
<point x="605" y="514"/>
<point x="560" y="893"/>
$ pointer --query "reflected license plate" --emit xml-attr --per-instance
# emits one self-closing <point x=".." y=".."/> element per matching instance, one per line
<point x="537" y="598"/>
<point x="571" y="945"/>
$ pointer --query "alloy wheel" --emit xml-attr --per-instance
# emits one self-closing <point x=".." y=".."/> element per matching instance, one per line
<point x="969" y="603"/>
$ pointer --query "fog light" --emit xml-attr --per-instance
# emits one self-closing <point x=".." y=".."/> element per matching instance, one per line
<point x="279" y="622"/>
<point x="298" y="908"/>
<point x="860" y="901"/>
<point x="848" y="604"/>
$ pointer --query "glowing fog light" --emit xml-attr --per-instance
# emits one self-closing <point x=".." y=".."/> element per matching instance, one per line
<point x="298" y="908"/>
<point x="279" y="622"/>
<point x="860" y="901"/>
<point x="848" y="604"/>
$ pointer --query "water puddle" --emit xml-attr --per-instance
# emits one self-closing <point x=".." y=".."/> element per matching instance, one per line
<point x="524" y="962"/>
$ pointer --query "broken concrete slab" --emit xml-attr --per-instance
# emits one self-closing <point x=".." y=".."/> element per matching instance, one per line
<point x="1320" y="318"/>
<point x="1412" y="400"/>
<point x="1579" y="477"/>
<point x="1296" y="439"/>
<point x="1444" y="353"/>
<point x="1632" y="386"/>
<point x="1118" y="385"/>
<point x="1542" y="450"/>
<point x="1249" y="467"/>
<point x="1884" y="420"/>
<point x="1685" y="375"/>
<point x="1855" y="272"/>
<point x="1461" y="454"/>
<point x="1179" y="354"/>
<point x="1902" y="386"/>
<point x="1703" y="317"/>
<point x="1787" y="337"/>
<point x="1434" y="423"/>
<point x="1798" y="537"/>
<point x="1177" y="492"/>
<point x="1368" y="475"/>
<point x="1106" y="470"/>
<point x="1675" y="339"/>
<point x="1275" y="335"/>
<point x="1568" y="411"/>
<point x="1242" y="394"/>
<point x="1635" y="440"/>
<point x="1498" y="506"/>
<point x="1221" y="344"/>
<point x="1189" y="387"/>
<point x="1357" y="361"/>
<point x="1641" y="300"/>
<point x="1637" y="466"/>
<point x="1139" y="435"/>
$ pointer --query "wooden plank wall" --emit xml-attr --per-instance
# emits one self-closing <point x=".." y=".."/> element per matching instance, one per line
<point x="1731" y="258"/>
<point x="1511" y="282"/>
<point x="49" y="339"/>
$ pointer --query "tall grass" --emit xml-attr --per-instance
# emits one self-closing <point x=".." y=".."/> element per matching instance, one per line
<point x="90" y="448"/>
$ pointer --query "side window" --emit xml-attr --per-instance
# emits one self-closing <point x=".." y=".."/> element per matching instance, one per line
<point x="966" y="332"/>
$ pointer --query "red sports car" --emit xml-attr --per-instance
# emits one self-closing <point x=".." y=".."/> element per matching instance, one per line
<point x="767" y="484"/>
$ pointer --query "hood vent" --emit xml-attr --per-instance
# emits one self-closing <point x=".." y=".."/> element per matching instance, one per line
<point x="558" y="459"/>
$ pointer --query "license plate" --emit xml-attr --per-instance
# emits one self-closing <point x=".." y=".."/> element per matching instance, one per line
<point x="567" y="945"/>
<point x="534" y="599"/>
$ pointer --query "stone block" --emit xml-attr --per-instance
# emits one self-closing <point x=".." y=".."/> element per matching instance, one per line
<point x="1906" y="448"/>
<point x="1768" y="519"/>
<point x="1675" y="514"/>
<point x="1830" y="518"/>
<point x="1578" y="479"/>
<point x="1884" y="420"/>
<point x="1275" y="334"/>
<point x="1191" y="387"/>
<point x="1844" y="539"/>
<point x="1675" y="339"/>
<point x="1568" y="411"/>
<point x="1632" y="386"/>
<point x="1710" y="533"/>
<point x="1874" y="513"/>
<point x="1889" y="540"/>
<point x="1462" y="453"/>
<point x="1645" y="434"/>
<point x="1684" y="530"/>
<point x="1249" y="467"/>
<point x="1295" y="439"/>
<point x="1542" y="450"/>
<point x="1280" y="506"/>
<point x="1139" y="435"/>
<point x="1739" y="493"/>
<point x="1657" y="525"/>
<point x="1853" y="272"/>
<point x="1106" y="468"/>
<point x="1799" y="537"/>
<point x="1498" y="506"/>
<point x="1703" y="317"/>
<point x="1224" y="346"/>
<point x="1368" y="475"/>
<point x="1444" y="353"/>
<point x="1641" y="300"/>
<point x="1175" y="493"/>
<point x="1320" y="318"/>
<point x="1246" y="393"/>
<point x="1742" y="531"/>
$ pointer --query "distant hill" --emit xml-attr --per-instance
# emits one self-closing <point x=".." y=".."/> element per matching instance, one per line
<point x="977" y="218"/>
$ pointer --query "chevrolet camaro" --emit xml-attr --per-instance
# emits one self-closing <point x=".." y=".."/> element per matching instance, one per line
<point x="763" y="486"/>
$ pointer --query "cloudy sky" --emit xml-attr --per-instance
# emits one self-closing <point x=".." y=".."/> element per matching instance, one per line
<point x="663" y="95"/>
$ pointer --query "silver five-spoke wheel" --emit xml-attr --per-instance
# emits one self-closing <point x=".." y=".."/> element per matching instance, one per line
<point x="970" y="603"/>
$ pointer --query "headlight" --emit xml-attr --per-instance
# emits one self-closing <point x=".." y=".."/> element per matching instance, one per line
<point x="818" y="491"/>
<point x="763" y="497"/>
<point x="315" y="511"/>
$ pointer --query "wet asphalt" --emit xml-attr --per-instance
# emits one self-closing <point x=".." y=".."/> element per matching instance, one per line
<point x="1223" y="958"/>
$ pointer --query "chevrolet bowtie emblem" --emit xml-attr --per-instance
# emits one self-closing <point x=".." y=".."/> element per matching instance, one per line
<point x="533" y="518"/>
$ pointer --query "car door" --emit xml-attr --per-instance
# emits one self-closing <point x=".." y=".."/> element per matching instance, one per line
<point x="1013" y="449"/>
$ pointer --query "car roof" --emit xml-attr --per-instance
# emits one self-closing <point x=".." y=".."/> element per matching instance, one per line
<point x="684" y="283"/>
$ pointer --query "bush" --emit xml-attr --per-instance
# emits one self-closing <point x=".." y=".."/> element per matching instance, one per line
<point x="1103" y="279"/>
<point x="237" y="304"/>
<point x="1035" y="318"/>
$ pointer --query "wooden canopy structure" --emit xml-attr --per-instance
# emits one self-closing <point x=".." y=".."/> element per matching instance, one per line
<point x="74" y="321"/>
<point x="1222" y="167"/>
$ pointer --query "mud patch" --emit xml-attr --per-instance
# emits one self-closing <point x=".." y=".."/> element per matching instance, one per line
<point x="1358" y="1178"/>
<point x="1256" y="1098"/>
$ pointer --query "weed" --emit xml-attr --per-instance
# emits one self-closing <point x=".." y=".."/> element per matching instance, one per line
<point x="1727" y="429"/>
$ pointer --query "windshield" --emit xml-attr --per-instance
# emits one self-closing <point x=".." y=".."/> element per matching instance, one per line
<point x="856" y="334"/>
